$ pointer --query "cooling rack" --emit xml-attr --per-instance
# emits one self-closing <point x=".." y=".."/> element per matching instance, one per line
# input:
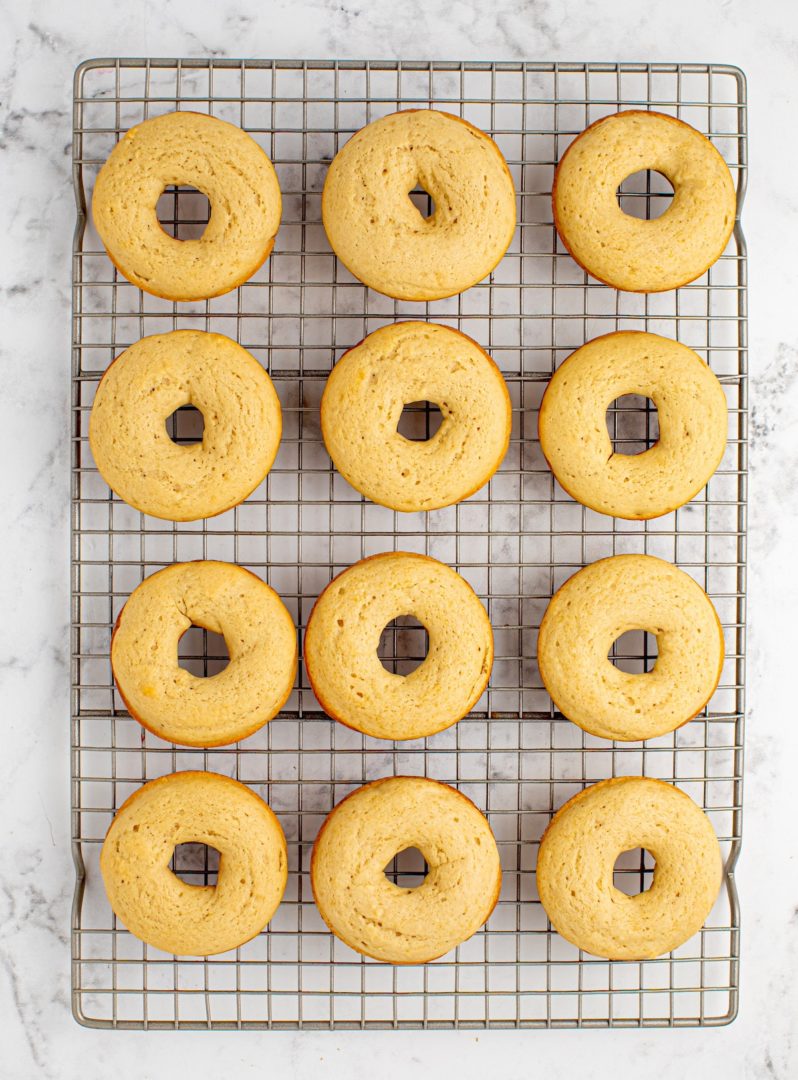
<point x="515" y="541"/>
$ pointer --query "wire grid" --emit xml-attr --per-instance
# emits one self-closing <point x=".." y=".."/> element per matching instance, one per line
<point x="515" y="541"/>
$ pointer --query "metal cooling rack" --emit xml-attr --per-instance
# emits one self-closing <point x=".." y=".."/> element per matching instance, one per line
<point x="515" y="542"/>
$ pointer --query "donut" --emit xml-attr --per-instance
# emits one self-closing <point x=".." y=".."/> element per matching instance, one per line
<point x="578" y="853"/>
<point x="184" y="708"/>
<point x="198" y="808"/>
<point x="691" y="409"/>
<point x="384" y="240"/>
<point x="623" y="251"/>
<point x="216" y="158"/>
<point x="363" y="402"/>
<point x="144" y="386"/>
<point x="591" y="611"/>
<point x="344" y="631"/>
<point x="398" y="925"/>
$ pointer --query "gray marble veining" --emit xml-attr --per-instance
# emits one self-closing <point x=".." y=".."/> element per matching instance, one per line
<point x="41" y="43"/>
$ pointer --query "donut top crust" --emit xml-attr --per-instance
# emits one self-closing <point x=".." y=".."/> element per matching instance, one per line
<point x="225" y="599"/>
<point x="203" y="808"/>
<point x="383" y="239"/>
<point x="626" y="252"/>
<point x="692" y="414"/>
<point x="221" y="161"/>
<point x="394" y="366"/>
<point x="592" y="610"/>
<point x="343" y="635"/>
<point x="577" y="857"/>
<point x="145" y="385"/>
<point x="389" y="922"/>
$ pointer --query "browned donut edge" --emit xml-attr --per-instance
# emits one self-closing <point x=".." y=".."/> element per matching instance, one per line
<point x="610" y="781"/>
<point x="191" y="299"/>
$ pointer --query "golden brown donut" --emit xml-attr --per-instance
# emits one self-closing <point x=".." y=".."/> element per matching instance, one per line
<point x="393" y="367"/>
<point x="223" y="708"/>
<point x="343" y="634"/>
<point x="145" y="385"/>
<point x="623" y="251"/>
<point x="577" y="856"/>
<point x="200" y="808"/>
<point x="383" y="920"/>
<point x="692" y="415"/>
<point x="382" y="238"/>
<point x="591" y="611"/>
<point x="221" y="161"/>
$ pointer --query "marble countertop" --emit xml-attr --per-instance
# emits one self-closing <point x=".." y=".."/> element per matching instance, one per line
<point x="42" y="42"/>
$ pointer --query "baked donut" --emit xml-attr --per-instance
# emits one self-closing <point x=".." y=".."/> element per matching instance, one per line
<point x="591" y="611"/>
<point x="399" y="364"/>
<point x="344" y="631"/>
<point x="691" y="409"/>
<point x="199" y="808"/>
<point x="384" y="240"/>
<point x="222" y="162"/>
<point x="578" y="853"/>
<point x="145" y="385"/>
<point x="623" y="251"/>
<point x="371" y="914"/>
<point x="184" y="708"/>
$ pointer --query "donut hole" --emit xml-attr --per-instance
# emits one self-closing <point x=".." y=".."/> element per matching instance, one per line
<point x="634" y="652"/>
<point x="186" y="426"/>
<point x="404" y="644"/>
<point x="645" y="195"/>
<point x="183" y="212"/>
<point x="407" y="869"/>
<point x="633" y="424"/>
<point x="633" y="872"/>
<point x="419" y="421"/>
<point x="202" y="653"/>
<point x="423" y="201"/>
<point x="195" y="864"/>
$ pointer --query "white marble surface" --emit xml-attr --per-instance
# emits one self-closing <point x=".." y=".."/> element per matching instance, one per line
<point x="42" y="40"/>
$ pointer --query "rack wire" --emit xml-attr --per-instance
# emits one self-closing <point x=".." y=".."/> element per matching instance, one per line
<point x="515" y="541"/>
